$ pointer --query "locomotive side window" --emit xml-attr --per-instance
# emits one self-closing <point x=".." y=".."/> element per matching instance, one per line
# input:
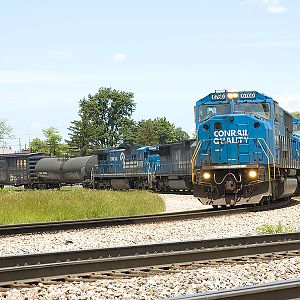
<point x="296" y="128"/>
<point x="258" y="108"/>
<point x="205" y="111"/>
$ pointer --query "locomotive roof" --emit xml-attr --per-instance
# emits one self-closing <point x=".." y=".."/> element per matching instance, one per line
<point x="178" y="142"/>
<point x="240" y="95"/>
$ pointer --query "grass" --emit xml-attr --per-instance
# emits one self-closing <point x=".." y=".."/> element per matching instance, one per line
<point x="277" y="228"/>
<point x="74" y="204"/>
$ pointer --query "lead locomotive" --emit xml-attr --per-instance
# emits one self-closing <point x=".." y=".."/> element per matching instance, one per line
<point x="246" y="151"/>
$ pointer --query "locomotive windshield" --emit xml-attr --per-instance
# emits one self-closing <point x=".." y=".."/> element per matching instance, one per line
<point x="258" y="108"/>
<point x="205" y="111"/>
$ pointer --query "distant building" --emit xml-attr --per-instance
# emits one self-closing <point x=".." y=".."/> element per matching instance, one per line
<point x="6" y="150"/>
<point x="25" y="151"/>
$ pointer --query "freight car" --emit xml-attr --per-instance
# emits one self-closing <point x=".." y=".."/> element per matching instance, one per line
<point x="246" y="150"/>
<point x="55" y="172"/>
<point x="19" y="169"/>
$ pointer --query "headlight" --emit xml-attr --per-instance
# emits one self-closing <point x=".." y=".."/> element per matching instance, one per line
<point x="252" y="174"/>
<point x="206" y="175"/>
<point x="232" y="96"/>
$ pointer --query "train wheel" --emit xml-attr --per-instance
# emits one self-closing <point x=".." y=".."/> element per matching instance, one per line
<point x="215" y="206"/>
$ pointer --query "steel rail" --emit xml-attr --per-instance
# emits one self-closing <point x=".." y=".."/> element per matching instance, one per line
<point x="32" y="267"/>
<point x="14" y="229"/>
<point x="278" y="290"/>
<point x="105" y="222"/>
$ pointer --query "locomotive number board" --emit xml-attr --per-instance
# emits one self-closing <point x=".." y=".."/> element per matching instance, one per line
<point x="241" y="95"/>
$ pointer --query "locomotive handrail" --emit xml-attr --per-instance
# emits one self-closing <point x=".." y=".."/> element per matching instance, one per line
<point x="268" y="159"/>
<point x="273" y="158"/>
<point x="193" y="160"/>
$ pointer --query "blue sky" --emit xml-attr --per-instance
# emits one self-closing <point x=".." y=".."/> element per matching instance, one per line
<point x="168" y="53"/>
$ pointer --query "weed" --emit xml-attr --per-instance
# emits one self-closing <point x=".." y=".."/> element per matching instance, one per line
<point x="277" y="228"/>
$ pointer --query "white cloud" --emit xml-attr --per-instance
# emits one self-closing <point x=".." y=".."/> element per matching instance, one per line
<point x="276" y="9"/>
<point x="119" y="57"/>
<point x="272" y="6"/>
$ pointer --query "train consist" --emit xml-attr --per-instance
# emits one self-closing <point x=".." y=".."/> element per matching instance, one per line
<point x="160" y="167"/>
<point x="247" y="150"/>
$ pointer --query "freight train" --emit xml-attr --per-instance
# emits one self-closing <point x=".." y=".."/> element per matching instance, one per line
<point x="247" y="150"/>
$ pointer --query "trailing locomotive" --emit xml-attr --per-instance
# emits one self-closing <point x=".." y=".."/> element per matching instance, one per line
<point x="161" y="167"/>
<point x="246" y="151"/>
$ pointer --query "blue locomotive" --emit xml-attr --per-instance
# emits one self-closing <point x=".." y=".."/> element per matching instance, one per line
<point x="247" y="152"/>
<point x="159" y="167"/>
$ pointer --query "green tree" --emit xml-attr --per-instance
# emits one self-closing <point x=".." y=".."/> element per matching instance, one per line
<point x="53" y="141"/>
<point x="52" y="144"/>
<point x="180" y="135"/>
<point x="77" y="143"/>
<point x="296" y="115"/>
<point x="38" y="146"/>
<point x="102" y="118"/>
<point x="158" y="131"/>
<point x="128" y="132"/>
<point x="146" y="133"/>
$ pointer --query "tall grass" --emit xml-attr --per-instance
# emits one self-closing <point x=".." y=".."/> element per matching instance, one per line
<point x="74" y="204"/>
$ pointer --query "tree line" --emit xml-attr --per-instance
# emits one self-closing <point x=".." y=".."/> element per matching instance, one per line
<point x="104" y="121"/>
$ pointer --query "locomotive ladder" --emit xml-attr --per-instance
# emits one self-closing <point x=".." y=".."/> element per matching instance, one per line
<point x="267" y="156"/>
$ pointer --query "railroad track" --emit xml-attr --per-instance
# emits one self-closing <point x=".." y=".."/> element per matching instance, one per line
<point x="287" y="289"/>
<point x="109" y="222"/>
<point x="143" y="259"/>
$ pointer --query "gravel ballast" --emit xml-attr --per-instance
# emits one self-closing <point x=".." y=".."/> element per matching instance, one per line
<point x="221" y="276"/>
<point x="159" y="286"/>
